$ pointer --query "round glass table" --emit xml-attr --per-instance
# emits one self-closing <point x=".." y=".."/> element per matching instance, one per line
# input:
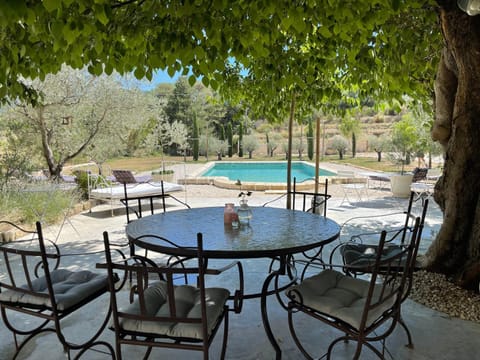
<point x="273" y="233"/>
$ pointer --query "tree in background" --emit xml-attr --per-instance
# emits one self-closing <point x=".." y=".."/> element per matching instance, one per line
<point x="76" y="108"/>
<point x="310" y="146"/>
<point x="15" y="158"/>
<point x="195" y="139"/>
<point x="176" y="135"/>
<point x="340" y="144"/>
<point x="240" y="140"/>
<point x="250" y="144"/>
<point x="136" y="137"/>
<point x="274" y="141"/>
<point x="350" y="126"/>
<point x="230" y="139"/>
<point x="378" y="144"/>
<point x="299" y="147"/>
<point x="404" y="138"/>
<point x="218" y="147"/>
<point x="179" y="103"/>
<point x="425" y="144"/>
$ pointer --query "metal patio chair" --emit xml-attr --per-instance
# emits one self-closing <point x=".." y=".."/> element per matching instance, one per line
<point x="359" y="252"/>
<point x="364" y="311"/>
<point x="311" y="201"/>
<point x="166" y="313"/>
<point x="36" y="286"/>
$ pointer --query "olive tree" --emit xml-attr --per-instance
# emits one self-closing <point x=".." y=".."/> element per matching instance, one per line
<point x="340" y="144"/>
<point x="75" y="112"/>
<point x="250" y="144"/>
<point x="379" y="144"/>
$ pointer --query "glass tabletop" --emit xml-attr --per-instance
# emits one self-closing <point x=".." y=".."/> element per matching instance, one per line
<point x="271" y="232"/>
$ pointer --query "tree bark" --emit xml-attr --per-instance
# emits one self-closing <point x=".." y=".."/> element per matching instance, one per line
<point x="289" y="152"/>
<point x="456" y="250"/>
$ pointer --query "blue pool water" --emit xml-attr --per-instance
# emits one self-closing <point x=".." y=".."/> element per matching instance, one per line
<point x="272" y="172"/>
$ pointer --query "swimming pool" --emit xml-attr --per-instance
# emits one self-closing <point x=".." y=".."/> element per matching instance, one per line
<point x="263" y="172"/>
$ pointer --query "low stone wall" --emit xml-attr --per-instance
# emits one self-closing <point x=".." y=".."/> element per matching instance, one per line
<point x="225" y="183"/>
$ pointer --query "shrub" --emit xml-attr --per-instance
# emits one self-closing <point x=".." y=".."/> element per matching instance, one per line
<point x="27" y="207"/>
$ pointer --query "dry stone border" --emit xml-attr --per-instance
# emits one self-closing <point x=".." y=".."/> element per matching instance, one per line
<point x="436" y="292"/>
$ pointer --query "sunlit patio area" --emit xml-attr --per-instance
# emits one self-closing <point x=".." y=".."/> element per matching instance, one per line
<point x="435" y="334"/>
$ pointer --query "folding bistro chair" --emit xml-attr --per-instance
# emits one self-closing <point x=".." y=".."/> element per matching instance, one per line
<point x="352" y="189"/>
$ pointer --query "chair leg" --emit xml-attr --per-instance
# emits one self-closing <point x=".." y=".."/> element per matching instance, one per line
<point x="225" y="335"/>
<point x="409" y="336"/>
<point x="294" y="334"/>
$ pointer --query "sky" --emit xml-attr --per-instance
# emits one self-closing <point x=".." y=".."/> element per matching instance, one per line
<point x="160" y="76"/>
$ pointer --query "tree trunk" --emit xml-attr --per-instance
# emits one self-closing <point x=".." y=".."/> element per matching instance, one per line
<point x="354" y="145"/>
<point x="289" y="152"/>
<point x="456" y="250"/>
<point x="379" y="156"/>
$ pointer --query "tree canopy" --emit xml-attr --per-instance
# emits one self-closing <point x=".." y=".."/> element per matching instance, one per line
<point x="283" y="57"/>
<point x="280" y="45"/>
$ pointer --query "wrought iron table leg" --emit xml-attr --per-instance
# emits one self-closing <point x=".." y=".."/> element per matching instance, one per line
<point x="284" y="268"/>
<point x="263" y="307"/>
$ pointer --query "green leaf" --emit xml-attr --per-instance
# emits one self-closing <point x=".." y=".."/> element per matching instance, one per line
<point x="323" y="30"/>
<point x="101" y="15"/>
<point x="171" y="71"/>
<point x="51" y="5"/>
<point x="395" y="5"/>
<point x="139" y="72"/>
<point x="192" y="80"/>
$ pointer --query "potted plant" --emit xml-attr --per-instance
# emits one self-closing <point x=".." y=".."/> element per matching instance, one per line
<point x="400" y="183"/>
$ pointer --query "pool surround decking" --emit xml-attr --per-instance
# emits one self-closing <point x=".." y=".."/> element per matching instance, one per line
<point x="225" y="183"/>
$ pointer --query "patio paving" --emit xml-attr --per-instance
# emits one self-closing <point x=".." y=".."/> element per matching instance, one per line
<point x="435" y="335"/>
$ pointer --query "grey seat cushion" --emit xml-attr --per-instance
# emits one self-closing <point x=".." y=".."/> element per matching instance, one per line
<point x="343" y="297"/>
<point x="187" y="304"/>
<point x="365" y="255"/>
<point x="70" y="288"/>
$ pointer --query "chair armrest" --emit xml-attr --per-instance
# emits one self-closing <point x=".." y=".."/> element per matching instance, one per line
<point x="237" y="297"/>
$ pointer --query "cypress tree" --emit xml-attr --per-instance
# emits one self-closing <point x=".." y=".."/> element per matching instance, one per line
<point x="240" y="140"/>
<point x="230" y="139"/>
<point x="195" y="138"/>
<point x="222" y="132"/>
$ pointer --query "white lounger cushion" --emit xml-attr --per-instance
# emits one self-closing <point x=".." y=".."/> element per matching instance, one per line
<point x="141" y="189"/>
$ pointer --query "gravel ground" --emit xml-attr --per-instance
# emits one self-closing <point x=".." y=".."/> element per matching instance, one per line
<point x="436" y="292"/>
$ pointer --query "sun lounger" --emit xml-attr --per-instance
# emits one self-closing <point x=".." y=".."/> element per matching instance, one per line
<point x="100" y="188"/>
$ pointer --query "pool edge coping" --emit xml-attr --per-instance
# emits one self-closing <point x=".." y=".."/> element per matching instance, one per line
<point x="226" y="183"/>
